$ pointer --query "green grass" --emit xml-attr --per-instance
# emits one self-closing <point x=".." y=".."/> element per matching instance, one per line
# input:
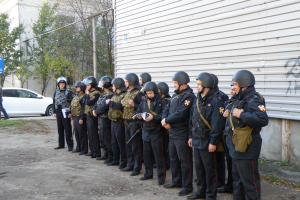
<point x="12" y="122"/>
<point x="261" y="162"/>
<point x="284" y="164"/>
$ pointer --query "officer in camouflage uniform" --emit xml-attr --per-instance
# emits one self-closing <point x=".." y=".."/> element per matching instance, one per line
<point x="91" y="96"/>
<point x="143" y="79"/>
<point x="101" y="110"/>
<point x="78" y="116"/>
<point x="153" y="132"/>
<point x="130" y="103"/>
<point x="220" y="155"/>
<point x="248" y="113"/>
<point x="115" y="114"/>
<point x="176" y="120"/>
<point x="61" y="99"/>
<point x="163" y="89"/>
<point x="206" y="128"/>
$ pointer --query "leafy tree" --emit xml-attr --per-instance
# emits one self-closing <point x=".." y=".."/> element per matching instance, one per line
<point x="44" y="23"/>
<point x="52" y="55"/>
<point x="8" y="45"/>
<point x="81" y="9"/>
<point x="23" y="72"/>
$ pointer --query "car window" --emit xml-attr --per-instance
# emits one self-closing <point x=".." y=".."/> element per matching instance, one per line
<point x="10" y="93"/>
<point x="26" y="94"/>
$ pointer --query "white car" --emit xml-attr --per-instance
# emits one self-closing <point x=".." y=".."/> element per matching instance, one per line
<point x="20" y="101"/>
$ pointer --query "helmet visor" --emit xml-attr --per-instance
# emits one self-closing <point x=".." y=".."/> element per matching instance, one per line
<point x="61" y="79"/>
<point x="101" y="84"/>
<point x="87" y="81"/>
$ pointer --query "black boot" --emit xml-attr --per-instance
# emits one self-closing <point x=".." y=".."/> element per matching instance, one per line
<point x="110" y="158"/>
<point x="104" y="157"/>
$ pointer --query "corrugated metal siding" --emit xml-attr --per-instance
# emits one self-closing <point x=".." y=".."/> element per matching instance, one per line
<point x="219" y="37"/>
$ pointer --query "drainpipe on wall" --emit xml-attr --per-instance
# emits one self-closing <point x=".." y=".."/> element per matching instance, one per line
<point x="286" y="132"/>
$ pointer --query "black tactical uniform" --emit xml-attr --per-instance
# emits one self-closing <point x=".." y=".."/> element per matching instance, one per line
<point x="177" y="115"/>
<point x="91" y="121"/>
<point x="246" y="181"/>
<point x="61" y="100"/>
<point x="220" y="155"/>
<point x="204" y="130"/>
<point x="133" y="148"/>
<point x="101" y="109"/>
<point x="77" y="110"/>
<point x="153" y="134"/>
<point x="117" y="125"/>
<point x="164" y="90"/>
<point x="228" y="188"/>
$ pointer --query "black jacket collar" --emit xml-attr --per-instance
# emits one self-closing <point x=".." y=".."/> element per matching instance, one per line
<point x="210" y="93"/>
<point x="246" y="93"/>
<point x="184" y="90"/>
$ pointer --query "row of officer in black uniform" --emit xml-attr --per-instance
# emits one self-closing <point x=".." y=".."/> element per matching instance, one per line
<point x="210" y="124"/>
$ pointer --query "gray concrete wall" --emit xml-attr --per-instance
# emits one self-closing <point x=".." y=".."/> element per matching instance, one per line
<point x="295" y="142"/>
<point x="272" y="140"/>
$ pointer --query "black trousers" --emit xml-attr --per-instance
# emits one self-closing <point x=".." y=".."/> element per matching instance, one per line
<point x="80" y="135"/>
<point x="133" y="149"/>
<point x="64" y="126"/>
<point x="92" y="129"/>
<point x="220" y="157"/>
<point x="118" y="141"/>
<point x="156" y="148"/>
<point x="246" y="181"/>
<point x="181" y="163"/>
<point x="106" y="131"/>
<point x="166" y="149"/>
<point x="229" y="185"/>
<point x="206" y="171"/>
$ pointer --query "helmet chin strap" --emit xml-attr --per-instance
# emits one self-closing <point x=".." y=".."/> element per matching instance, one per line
<point x="240" y="90"/>
<point x="202" y="90"/>
<point x="179" y="87"/>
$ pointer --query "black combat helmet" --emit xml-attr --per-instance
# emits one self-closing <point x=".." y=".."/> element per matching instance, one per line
<point x="244" y="78"/>
<point x="207" y="80"/>
<point x="90" y="80"/>
<point x="151" y="86"/>
<point x="61" y="79"/>
<point x="132" y="79"/>
<point x="164" y="88"/>
<point x="81" y="85"/>
<point x="145" y="77"/>
<point x="119" y="83"/>
<point x="216" y="80"/>
<point x="181" y="77"/>
<point x="105" y="82"/>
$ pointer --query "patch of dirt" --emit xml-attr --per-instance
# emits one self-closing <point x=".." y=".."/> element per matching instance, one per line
<point x="16" y="157"/>
<point x="31" y="169"/>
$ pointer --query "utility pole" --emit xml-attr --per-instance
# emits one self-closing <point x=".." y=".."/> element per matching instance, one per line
<point x="94" y="48"/>
<point x="26" y="60"/>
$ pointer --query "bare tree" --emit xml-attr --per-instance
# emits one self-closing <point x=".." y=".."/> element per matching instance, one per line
<point x="81" y="9"/>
